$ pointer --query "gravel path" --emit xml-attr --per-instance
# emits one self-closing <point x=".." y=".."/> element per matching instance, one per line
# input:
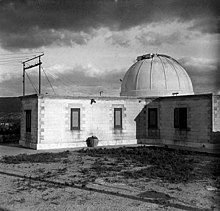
<point x="61" y="186"/>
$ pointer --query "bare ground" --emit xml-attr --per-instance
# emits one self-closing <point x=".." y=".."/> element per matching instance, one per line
<point x="127" y="178"/>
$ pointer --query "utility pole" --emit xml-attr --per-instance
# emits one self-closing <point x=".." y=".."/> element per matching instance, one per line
<point x="31" y="66"/>
<point x="23" y="79"/>
<point x="39" y="75"/>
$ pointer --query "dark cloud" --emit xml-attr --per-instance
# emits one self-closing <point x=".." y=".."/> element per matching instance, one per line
<point x="205" y="75"/>
<point x="36" y="38"/>
<point x="22" y="17"/>
<point x="206" y="25"/>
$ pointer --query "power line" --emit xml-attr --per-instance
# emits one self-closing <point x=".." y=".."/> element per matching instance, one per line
<point x="31" y="66"/>
<point x="62" y="80"/>
<point x="10" y="64"/>
<point x="5" y="54"/>
<point x="48" y="80"/>
<point x="9" y="61"/>
<point x="13" y="58"/>
<point x="31" y="82"/>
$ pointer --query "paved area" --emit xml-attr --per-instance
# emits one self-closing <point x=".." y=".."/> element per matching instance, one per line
<point x="15" y="149"/>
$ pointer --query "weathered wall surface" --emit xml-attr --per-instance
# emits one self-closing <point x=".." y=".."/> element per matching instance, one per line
<point x="96" y="119"/>
<point x="216" y="119"/>
<point x="51" y="121"/>
<point x="216" y="113"/>
<point x="29" y="139"/>
<point x="199" y="122"/>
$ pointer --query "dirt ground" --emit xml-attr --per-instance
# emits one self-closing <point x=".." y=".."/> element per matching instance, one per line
<point x="126" y="178"/>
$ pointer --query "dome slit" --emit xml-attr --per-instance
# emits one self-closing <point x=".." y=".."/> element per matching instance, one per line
<point x="151" y="64"/>
<point x="164" y="72"/>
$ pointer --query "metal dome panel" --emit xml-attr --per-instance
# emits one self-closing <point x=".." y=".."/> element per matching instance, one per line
<point x="156" y="75"/>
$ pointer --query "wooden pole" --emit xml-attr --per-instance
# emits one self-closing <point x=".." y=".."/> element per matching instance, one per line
<point x="39" y="76"/>
<point x="31" y="66"/>
<point x="23" y="79"/>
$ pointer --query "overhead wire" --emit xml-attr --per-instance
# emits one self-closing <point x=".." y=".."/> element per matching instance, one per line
<point x="31" y="82"/>
<point x="48" y="80"/>
<point x="5" y="54"/>
<point x="12" y="58"/>
<point x="62" y="80"/>
<point x="10" y="62"/>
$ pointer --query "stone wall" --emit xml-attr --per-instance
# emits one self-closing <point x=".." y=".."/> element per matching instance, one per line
<point x="216" y="113"/>
<point x="198" y="133"/>
<point x="51" y="121"/>
<point x="95" y="119"/>
<point x="29" y="139"/>
<point x="216" y="119"/>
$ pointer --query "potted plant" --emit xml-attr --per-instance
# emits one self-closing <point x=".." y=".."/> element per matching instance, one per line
<point x="92" y="141"/>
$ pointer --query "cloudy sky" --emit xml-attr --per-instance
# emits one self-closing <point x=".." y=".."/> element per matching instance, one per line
<point x="88" y="45"/>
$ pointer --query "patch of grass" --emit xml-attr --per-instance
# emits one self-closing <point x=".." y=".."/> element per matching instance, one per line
<point x="167" y="164"/>
<point x="35" y="158"/>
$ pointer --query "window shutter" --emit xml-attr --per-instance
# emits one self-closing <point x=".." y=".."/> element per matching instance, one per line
<point x="176" y="118"/>
<point x="152" y="118"/>
<point x="183" y="118"/>
<point x="28" y="120"/>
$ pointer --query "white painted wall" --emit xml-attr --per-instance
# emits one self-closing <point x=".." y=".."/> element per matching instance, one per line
<point x="96" y="119"/>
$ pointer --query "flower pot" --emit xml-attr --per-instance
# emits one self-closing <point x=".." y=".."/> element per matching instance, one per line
<point x="92" y="141"/>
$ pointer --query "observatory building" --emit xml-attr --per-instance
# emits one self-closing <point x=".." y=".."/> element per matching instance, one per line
<point x="156" y="106"/>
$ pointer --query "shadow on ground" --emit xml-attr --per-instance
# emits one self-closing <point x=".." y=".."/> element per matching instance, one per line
<point x="147" y="196"/>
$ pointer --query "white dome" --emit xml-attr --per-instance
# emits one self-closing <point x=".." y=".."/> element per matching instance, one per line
<point x="156" y="75"/>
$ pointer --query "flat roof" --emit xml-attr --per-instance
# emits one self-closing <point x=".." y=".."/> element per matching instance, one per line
<point x="83" y="97"/>
<point x="115" y="97"/>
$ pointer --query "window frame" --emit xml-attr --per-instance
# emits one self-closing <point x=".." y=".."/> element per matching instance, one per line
<point x="151" y="126"/>
<point x="71" y="118"/>
<point x="28" y="121"/>
<point x="118" y="126"/>
<point x="181" y="118"/>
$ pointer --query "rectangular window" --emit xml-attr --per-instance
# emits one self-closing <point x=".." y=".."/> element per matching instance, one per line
<point x="152" y="118"/>
<point x="75" y="119"/>
<point x="118" y="118"/>
<point x="180" y="118"/>
<point x="28" y="120"/>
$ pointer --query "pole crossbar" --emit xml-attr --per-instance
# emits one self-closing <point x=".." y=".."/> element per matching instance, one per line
<point x="31" y="66"/>
<point x="33" y="58"/>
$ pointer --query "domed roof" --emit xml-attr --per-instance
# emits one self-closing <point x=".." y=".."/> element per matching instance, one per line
<point x="156" y="75"/>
